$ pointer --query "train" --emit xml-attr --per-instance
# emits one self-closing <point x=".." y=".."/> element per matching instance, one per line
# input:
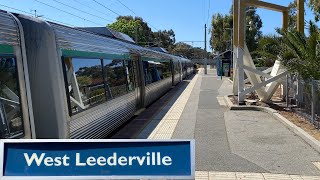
<point x="61" y="82"/>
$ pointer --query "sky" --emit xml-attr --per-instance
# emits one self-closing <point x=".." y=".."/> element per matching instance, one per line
<point x="185" y="17"/>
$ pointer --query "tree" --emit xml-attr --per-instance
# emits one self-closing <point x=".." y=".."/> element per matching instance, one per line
<point x="197" y="53"/>
<point x="267" y="51"/>
<point x="222" y="26"/>
<point x="165" y="39"/>
<point x="183" y="49"/>
<point x="132" y="25"/>
<point x="253" y="33"/>
<point x="219" y="35"/>
<point x="129" y="25"/>
<point x="293" y="14"/>
<point x="300" y="53"/>
<point x="188" y="51"/>
<point x="315" y="6"/>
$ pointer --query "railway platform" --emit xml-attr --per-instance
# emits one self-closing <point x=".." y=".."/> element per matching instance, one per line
<point x="229" y="144"/>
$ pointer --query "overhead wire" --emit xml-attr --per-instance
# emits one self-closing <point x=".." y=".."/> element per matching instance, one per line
<point x="106" y="7"/>
<point x="134" y="13"/>
<point x="68" y="12"/>
<point x="79" y="2"/>
<point x="33" y="15"/>
<point x="82" y="10"/>
<point x="126" y="7"/>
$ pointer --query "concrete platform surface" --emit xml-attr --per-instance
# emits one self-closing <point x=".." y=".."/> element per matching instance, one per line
<point x="230" y="144"/>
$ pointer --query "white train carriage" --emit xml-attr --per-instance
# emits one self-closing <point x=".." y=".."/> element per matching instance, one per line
<point x="82" y="85"/>
<point x="16" y="117"/>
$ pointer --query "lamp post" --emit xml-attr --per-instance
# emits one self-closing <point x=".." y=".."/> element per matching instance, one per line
<point x="231" y="49"/>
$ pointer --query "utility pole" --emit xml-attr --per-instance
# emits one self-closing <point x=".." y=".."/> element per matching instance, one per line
<point x="205" y="50"/>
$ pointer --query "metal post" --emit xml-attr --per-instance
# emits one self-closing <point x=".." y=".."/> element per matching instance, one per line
<point x="313" y="99"/>
<point x="284" y="89"/>
<point x="221" y="69"/>
<point x="240" y="75"/>
<point x="231" y="49"/>
<point x="240" y="51"/>
<point x="235" y="45"/>
<point x="300" y="16"/>
<point x="287" y="90"/>
<point x="205" y="50"/>
<point x="299" y="91"/>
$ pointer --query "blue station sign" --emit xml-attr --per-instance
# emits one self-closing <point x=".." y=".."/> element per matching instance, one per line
<point x="99" y="159"/>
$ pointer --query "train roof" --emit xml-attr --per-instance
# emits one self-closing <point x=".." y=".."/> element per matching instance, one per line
<point x="9" y="31"/>
<point x="105" y="31"/>
<point x="71" y="39"/>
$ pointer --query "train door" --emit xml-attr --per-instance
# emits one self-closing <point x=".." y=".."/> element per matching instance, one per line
<point x="139" y="78"/>
<point x="16" y="116"/>
<point x="172" y="65"/>
<point x="180" y="70"/>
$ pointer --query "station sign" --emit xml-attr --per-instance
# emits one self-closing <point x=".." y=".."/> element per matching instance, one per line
<point x="97" y="159"/>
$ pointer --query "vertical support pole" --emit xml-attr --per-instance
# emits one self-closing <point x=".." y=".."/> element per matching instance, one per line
<point x="241" y="31"/>
<point x="235" y="44"/>
<point x="221" y="69"/>
<point x="287" y="90"/>
<point x="313" y="103"/>
<point x="298" y="93"/>
<point x="300" y="16"/>
<point x="232" y="55"/>
<point x="205" y="50"/>
<point x="240" y="75"/>
<point x="285" y="20"/>
<point x="285" y="24"/>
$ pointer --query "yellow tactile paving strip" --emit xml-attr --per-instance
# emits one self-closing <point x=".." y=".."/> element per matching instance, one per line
<point x="167" y="125"/>
<point x="212" y="175"/>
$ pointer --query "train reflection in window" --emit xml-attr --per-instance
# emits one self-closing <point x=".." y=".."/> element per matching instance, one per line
<point x="89" y="84"/>
<point x="10" y="111"/>
<point x="116" y="79"/>
<point x="85" y="83"/>
<point x="156" y="71"/>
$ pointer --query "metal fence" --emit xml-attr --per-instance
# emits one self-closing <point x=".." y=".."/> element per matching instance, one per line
<point x="304" y="98"/>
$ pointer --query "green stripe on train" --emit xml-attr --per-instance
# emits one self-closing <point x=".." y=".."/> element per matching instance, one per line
<point x="98" y="55"/>
<point x="6" y="49"/>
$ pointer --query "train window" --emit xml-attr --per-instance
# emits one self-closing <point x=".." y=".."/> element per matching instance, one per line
<point x="151" y="73"/>
<point x="85" y="82"/>
<point x="156" y="71"/>
<point x="164" y="69"/>
<point x="90" y="84"/>
<point x="177" y="68"/>
<point x="116" y="73"/>
<point x="11" y="124"/>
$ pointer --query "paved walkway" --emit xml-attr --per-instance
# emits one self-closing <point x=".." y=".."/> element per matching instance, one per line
<point x="230" y="144"/>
